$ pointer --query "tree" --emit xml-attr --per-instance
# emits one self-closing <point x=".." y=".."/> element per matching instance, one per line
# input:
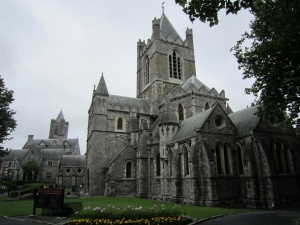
<point x="207" y="10"/>
<point x="7" y="122"/>
<point x="273" y="58"/>
<point x="30" y="170"/>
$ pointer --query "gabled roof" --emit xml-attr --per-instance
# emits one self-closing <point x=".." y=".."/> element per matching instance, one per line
<point x="167" y="28"/>
<point x="128" y="103"/>
<point x="188" y="127"/>
<point x="192" y="82"/>
<point x="49" y="142"/>
<point x="101" y="88"/>
<point x="245" y="120"/>
<point x="15" y="154"/>
<point x="50" y="153"/>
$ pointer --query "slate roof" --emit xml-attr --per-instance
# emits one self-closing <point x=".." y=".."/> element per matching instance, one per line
<point x="193" y="80"/>
<point x="187" y="127"/>
<point x="73" y="161"/>
<point x="128" y="104"/>
<point x="168" y="115"/>
<point x="167" y="28"/>
<point x="50" y="153"/>
<point x="49" y="142"/>
<point x="245" y="120"/>
<point x="15" y="154"/>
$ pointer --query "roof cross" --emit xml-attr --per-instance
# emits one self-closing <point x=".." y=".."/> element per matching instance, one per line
<point x="162" y="7"/>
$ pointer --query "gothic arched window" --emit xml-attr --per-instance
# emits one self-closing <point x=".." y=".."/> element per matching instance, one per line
<point x="287" y="158"/>
<point x="170" y="157"/>
<point x="158" y="172"/>
<point x="175" y="65"/>
<point x="280" y="155"/>
<point x="219" y="152"/>
<point x="240" y="159"/>
<point x="186" y="170"/>
<point x="274" y="157"/>
<point x="180" y="112"/>
<point x="223" y="157"/>
<point x="129" y="169"/>
<point x="147" y="71"/>
<point x="120" y="124"/>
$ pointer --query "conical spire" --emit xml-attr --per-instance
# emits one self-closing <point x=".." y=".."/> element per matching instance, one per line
<point x="168" y="115"/>
<point x="167" y="28"/>
<point x="60" y="117"/>
<point x="101" y="88"/>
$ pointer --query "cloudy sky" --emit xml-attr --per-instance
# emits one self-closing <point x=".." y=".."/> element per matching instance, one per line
<point x="53" y="52"/>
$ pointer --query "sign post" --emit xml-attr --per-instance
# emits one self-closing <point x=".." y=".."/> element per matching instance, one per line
<point x="50" y="198"/>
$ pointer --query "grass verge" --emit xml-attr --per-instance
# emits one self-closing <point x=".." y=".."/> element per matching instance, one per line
<point x="9" y="207"/>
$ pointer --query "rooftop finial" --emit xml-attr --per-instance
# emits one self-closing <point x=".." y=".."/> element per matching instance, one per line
<point x="162" y="7"/>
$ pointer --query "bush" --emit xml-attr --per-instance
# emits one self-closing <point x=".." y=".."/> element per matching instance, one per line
<point x="14" y="194"/>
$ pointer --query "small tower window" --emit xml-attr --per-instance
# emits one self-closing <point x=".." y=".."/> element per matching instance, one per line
<point x="175" y="65"/>
<point x="120" y="124"/>
<point x="147" y="71"/>
<point x="56" y="131"/>
<point x="180" y="112"/>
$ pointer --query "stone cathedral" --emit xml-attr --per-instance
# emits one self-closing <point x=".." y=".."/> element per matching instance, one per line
<point x="179" y="141"/>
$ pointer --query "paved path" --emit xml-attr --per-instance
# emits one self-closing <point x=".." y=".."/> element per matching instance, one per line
<point x="29" y="220"/>
<point x="277" y="217"/>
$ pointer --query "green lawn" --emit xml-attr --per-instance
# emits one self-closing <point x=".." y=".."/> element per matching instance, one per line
<point x="9" y="207"/>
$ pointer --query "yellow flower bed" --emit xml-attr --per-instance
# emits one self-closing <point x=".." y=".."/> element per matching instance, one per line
<point x="152" y="221"/>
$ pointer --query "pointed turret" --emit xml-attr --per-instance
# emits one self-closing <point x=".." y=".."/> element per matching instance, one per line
<point x="167" y="28"/>
<point x="101" y="88"/>
<point x="59" y="127"/>
<point x="60" y="117"/>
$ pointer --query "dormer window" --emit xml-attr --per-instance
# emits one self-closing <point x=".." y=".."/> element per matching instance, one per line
<point x="66" y="145"/>
<point x="175" y="65"/>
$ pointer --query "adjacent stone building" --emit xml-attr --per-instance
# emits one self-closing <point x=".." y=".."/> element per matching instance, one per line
<point x="54" y="156"/>
<point x="179" y="140"/>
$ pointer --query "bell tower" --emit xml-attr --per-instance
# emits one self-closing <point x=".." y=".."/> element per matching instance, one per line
<point x="164" y="62"/>
<point x="59" y="127"/>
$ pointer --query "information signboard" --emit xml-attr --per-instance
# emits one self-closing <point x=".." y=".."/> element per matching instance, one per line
<point x="51" y="198"/>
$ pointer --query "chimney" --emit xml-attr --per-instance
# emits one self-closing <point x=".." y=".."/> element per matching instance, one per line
<point x="30" y="139"/>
